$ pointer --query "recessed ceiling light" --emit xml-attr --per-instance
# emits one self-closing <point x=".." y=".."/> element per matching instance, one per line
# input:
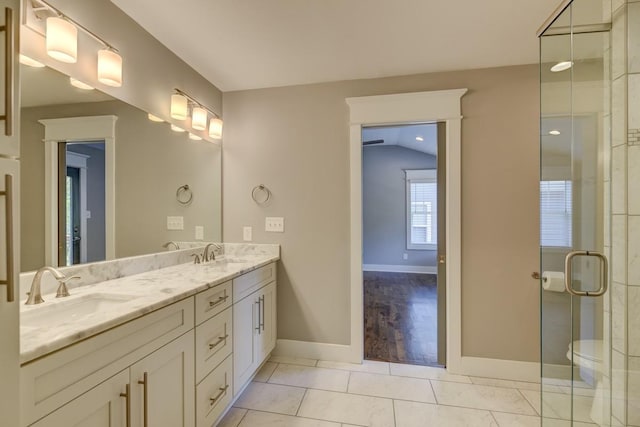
<point x="79" y="84"/>
<point x="194" y="137"/>
<point x="25" y="60"/>
<point x="176" y="128"/>
<point x="419" y="138"/>
<point x="155" y="118"/>
<point x="554" y="132"/>
<point x="561" y="66"/>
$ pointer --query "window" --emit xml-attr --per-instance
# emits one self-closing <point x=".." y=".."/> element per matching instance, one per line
<point x="422" y="203"/>
<point x="555" y="214"/>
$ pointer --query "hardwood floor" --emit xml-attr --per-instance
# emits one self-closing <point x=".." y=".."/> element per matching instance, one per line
<point x="400" y="317"/>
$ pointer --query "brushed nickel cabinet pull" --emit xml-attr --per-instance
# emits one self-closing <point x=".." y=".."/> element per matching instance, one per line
<point x="220" y="339"/>
<point x="218" y="301"/>
<point x="8" y="194"/>
<point x="223" y="391"/>
<point x="127" y="396"/>
<point x="145" y="398"/>
<point x="259" y="316"/>
<point x="262" y="312"/>
<point x="9" y="56"/>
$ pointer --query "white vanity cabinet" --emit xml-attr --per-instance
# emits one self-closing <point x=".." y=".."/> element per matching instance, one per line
<point x="178" y="366"/>
<point x="254" y="319"/>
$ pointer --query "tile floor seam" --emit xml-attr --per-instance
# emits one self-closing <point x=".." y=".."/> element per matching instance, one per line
<point x="306" y="390"/>
<point x="494" y="418"/>
<point x="433" y="390"/>
<point x="348" y="382"/>
<point x="241" y="418"/>
<point x="529" y="403"/>
<point x="298" y="416"/>
<point x="393" y="409"/>
<point x="274" y="369"/>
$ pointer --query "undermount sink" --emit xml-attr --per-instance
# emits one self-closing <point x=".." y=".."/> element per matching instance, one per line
<point x="69" y="310"/>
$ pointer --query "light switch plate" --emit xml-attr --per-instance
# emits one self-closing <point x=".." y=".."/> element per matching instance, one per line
<point x="247" y="234"/>
<point x="274" y="224"/>
<point x="199" y="232"/>
<point x="175" y="223"/>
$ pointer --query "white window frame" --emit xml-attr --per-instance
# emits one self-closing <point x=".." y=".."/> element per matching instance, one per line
<point x="561" y="248"/>
<point x="419" y="175"/>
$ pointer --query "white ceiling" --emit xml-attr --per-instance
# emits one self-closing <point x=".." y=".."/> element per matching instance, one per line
<point x="404" y="136"/>
<point x="253" y="44"/>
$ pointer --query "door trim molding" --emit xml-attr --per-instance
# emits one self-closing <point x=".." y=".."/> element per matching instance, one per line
<point x="406" y="108"/>
<point x="76" y="160"/>
<point x="90" y="128"/>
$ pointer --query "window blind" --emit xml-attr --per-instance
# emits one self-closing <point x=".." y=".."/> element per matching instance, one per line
<point x="422" y="200"/>
<point x="556" y="214"/>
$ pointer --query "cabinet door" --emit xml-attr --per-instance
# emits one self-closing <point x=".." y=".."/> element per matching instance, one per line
<point x="102" y="406"/>
<point x="267" y="336"/>
<point x="163" y="387"/>
<point x="245" y="328"/>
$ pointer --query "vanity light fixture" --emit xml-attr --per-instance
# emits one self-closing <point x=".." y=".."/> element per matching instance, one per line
<point x="109" y="68"/>
<point x="199" y="118"/>
<point x="62" y="43"/>
<point x="154" y="118"/>
<point x="80" y="85"/>
<point x="200" y="113"/>
<point x="177" y="129"/>
<point x="561" y="66"/>
<point x="179" y="106"/>
<point x="554" y="132"/>
<point x="194" y="137"/>
<point x="215" y="128"/>
<point x="62" y="40"/>
<point x="419" y="138"/>
<point x="25" y="60"/>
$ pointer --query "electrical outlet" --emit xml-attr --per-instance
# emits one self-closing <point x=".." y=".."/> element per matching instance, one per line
<point x="199" y="232"/>
<point x="274" y="224"/>
<point x="405" y="256"/>
<point x="175" y="223"/>
<point x="247" y="233"/>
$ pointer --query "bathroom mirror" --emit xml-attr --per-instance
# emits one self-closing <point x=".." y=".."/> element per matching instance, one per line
<point x="100" y="180"/>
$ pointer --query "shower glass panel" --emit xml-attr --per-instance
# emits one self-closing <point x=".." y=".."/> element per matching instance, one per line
<point x="574" y="190"/>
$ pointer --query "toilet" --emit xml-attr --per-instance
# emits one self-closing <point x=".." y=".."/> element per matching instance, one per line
<point x="588" y="355"/>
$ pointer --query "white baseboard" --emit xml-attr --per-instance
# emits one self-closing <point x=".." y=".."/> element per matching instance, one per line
<point x="314" y="350"/>
<point x="400" y="268"/>
<point x="513" y="370"/>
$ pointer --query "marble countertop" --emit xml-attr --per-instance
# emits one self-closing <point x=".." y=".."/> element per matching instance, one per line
<point x="140" y="294"/>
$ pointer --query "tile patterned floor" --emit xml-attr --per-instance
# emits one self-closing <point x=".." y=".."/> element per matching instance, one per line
<point x="291" y="392"/>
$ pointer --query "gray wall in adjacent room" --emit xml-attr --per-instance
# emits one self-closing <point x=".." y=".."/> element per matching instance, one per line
<point x="384" y="222"/>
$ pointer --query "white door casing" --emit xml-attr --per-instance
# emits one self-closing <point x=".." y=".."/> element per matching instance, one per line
<point x="91" y="128"/>
<point x="410" y="108"/>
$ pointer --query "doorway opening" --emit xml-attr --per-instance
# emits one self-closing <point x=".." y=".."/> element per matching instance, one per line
<point x="81" y="202"/>
<point x="403" y="226"/>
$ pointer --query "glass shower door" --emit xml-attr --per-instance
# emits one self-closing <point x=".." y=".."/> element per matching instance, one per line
<point x="574" y="189"/>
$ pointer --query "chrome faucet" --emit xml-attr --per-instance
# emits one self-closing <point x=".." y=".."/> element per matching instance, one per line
<point x="166" y="245"/>
<point x="35" y="295"/>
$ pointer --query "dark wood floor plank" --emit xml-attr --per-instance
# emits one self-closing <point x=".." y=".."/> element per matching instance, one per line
<point x="401" y="312"/>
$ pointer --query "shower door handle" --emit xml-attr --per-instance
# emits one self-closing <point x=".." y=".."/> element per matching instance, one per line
<point x="604" y="274"/>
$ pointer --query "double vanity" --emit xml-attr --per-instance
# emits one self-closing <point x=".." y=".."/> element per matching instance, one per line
<point x="172" y="344"/>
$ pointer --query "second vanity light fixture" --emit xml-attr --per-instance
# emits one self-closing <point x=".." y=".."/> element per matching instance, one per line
<point x="180" y="102"/>
<point x="62" y="43"/>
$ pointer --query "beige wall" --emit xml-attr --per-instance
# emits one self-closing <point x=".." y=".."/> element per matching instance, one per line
<point x="151" y="163"/>
<point x="295" y="140"/>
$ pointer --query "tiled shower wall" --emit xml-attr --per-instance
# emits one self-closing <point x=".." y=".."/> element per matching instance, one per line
<point x="625" y="212"/>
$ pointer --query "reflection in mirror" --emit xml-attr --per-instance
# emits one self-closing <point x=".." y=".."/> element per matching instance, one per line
<point x="100" y="180"/>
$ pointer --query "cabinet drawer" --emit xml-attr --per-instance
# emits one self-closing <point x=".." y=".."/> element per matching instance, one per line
<point x="213" y="301"/>
<point x="214" y="394"/>
<point x="247" y="283"/>
<point x="214" y="342"/>
<point x="50" y="382"/>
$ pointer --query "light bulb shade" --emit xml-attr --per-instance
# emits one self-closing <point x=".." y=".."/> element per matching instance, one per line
<point x="179" y="107"/>
<point x="109" y="68"/>
<point x="177" y="129"/>
<point x="154" y="118"/>
<point x="62" y="40"/>
<point x="194" y="137"/>
<point x="215" y="128"/>
<point x="199" y="118"/>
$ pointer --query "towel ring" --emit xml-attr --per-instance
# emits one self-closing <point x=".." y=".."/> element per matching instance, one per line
<point x="184" y="195"/>
<point x="261" y="194"/>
